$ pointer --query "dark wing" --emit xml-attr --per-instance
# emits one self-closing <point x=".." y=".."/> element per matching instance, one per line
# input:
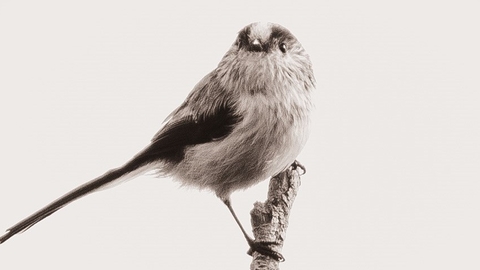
<point x="170" y="143"/>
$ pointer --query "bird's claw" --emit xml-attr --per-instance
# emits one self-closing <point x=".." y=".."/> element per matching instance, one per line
<point x="264" y="249"/>
<point x="296" y="165"/>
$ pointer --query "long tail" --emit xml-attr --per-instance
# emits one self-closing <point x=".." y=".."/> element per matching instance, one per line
<point x="166" y="147"/>
<point x="132" y="168"/>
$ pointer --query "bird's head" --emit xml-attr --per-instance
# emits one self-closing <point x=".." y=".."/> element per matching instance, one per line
<point x="265" y="37"/>
<point x="264" y="53"/>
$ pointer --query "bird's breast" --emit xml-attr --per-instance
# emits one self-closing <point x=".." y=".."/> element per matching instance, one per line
<point x="267" y="139"/>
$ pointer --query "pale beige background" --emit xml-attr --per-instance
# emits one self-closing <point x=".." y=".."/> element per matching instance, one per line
<point x="393" y="160"/>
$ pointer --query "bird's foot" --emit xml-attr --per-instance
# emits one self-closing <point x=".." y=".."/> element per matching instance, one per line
<point x="264" y="249"/>
<point x="295" y="165"/>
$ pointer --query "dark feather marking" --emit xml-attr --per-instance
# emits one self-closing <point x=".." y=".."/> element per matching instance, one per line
<point x="67" y="198"/>
<point x="243" y="37"/>
<point x="280" y="34"/>
<point x="170" y="144"/>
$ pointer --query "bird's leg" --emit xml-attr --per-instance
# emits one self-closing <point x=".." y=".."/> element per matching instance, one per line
<point x="260" y="247"/>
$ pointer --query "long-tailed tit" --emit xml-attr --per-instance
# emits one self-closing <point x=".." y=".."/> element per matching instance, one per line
<point x="243" y="122"/>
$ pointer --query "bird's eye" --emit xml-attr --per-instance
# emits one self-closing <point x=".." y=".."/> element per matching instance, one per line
<point x="283" y="47"/>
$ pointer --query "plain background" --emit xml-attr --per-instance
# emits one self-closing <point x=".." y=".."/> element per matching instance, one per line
<point x="393" y="159"/>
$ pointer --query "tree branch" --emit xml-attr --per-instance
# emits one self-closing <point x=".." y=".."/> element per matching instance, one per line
<point x="270" y="219"/>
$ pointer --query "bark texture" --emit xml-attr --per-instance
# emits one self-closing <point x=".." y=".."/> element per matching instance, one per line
<point x="270" y="218"/>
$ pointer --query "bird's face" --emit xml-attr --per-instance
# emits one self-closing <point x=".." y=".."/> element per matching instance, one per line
<point x="266" y="38"/>
<point x="264" y="55"/>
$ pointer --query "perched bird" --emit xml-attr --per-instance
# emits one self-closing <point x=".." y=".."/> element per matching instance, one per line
<point x="243" y="122"/>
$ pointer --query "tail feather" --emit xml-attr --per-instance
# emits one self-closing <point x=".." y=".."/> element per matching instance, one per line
<point x="167" y="147"/>
<point x="100" y="182"/>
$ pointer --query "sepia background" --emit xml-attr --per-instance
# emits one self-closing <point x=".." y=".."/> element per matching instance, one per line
<point x="392" y="162"/>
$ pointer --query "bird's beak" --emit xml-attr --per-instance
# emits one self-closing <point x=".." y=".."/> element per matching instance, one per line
<point x="256" y="46"/>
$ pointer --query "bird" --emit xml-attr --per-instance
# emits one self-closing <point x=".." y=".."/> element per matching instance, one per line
<point x="245" y="121"/>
